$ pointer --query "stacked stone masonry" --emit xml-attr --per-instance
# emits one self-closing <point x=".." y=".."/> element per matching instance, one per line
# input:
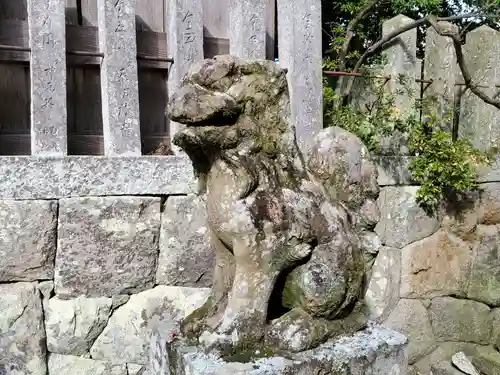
<point x="87" y="273"/>
<point x="85" y="279"/>
<point x="82" y="279"/>
<point x="436" y="279"/>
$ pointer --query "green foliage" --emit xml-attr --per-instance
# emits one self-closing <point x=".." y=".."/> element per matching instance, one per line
<point x="337" y="14"/>
<point x="445" y="169"/>
<point x="380" y="120"/>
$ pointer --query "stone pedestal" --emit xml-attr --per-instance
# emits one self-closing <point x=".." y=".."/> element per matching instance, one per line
<point x="373" y="351"/>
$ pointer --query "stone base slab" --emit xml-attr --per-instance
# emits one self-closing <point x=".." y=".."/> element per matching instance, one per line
<point x="30" y="177"/>
<point x="373" y="351"/>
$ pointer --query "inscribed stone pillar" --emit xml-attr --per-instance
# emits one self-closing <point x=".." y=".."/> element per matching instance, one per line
<point x="47" y="34"/>
<point x="184" y="42"/>
<point x="247" y="28"/>
<point x="479" y="121"/>
<point x="300" y="51"/>
<point x="441" y="67"/>
<point x="119" y="78"/>
<point x="401" y="64"/>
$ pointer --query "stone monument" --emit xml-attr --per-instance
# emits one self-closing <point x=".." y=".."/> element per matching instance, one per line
<point x="290" y="233"/>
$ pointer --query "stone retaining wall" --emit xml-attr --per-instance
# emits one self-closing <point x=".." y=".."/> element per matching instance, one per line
<point x="437" y="279"/>
<point x="88" y="267"/>
<point x="86" y="278"/>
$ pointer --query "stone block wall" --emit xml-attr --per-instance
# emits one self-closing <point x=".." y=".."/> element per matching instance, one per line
<point x="87" y="273"/>
<point x="436" y="279"/>
<point x="93" y="257"/>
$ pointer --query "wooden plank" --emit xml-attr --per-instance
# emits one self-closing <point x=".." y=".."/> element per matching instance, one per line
<point x="80" y="144"/>
<point x="14" y="81"/>
<point x="70" y="99"/>
<point x="152" y="43"/>
<point x="151" y="47"/>
<point x="216" y="18"/>
<point x="15" y="57"/>
<point x="72" y="19"/>
<point x="14" y="9"/>
<point x="82" y="38"/>
<point x="86" y="98"/>
<point x="271" y="41"/>
<point x="150" y="15"/>
<point x="215" y="46"/>
<point x="14" y="33"/>
<point x="153" y="65"/>
<point x="72" y="12"/>
<point x="152" y="101"/>
<point x="85" y="39"/>
<point x="156" y="145"/>
<point x="87" y="102"/>
<point x="15" y="144"/>
<point x="89" y="12"/>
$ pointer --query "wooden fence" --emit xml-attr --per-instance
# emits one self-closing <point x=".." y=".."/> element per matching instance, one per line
<point x="437" y="78"/>
<point x="77" y="78"/>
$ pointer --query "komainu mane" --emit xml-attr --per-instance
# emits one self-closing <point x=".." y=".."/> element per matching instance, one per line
<point x="287" y="230"/>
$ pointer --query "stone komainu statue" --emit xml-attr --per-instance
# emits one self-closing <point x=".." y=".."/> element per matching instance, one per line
<point x="287" y="230"/>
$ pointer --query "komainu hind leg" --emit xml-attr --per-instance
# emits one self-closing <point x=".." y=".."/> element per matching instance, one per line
<point x="297" y="331"/>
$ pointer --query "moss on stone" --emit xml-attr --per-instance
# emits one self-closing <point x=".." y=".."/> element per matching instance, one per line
<point x="194" y="323"/>
<point x="355" y="321"/>
<point x="249" y="350"/>
<point x="293" y="295"/>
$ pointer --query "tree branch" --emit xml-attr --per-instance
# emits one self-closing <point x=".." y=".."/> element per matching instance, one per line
<point x="350" y="31"/>
<point x="457" y="44"/>
<point x="350" y="34"/>
<point x="381" y="42"/>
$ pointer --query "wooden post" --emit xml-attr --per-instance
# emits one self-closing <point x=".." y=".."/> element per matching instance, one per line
<point x="47" y="35"/>
<point x="119" y="77"/>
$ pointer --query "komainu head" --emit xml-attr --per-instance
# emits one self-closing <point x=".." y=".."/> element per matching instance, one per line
<point x="228" y="105"/>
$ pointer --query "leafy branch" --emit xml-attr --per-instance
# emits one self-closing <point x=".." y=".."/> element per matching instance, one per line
<point x="429" y="20"/>
<point x="444" y="168"/>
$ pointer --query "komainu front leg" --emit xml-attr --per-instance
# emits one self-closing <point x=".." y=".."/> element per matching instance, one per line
<point x="244" y="319"/>
<point x="210" y="312"/>
<point x="297" y="331"/>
